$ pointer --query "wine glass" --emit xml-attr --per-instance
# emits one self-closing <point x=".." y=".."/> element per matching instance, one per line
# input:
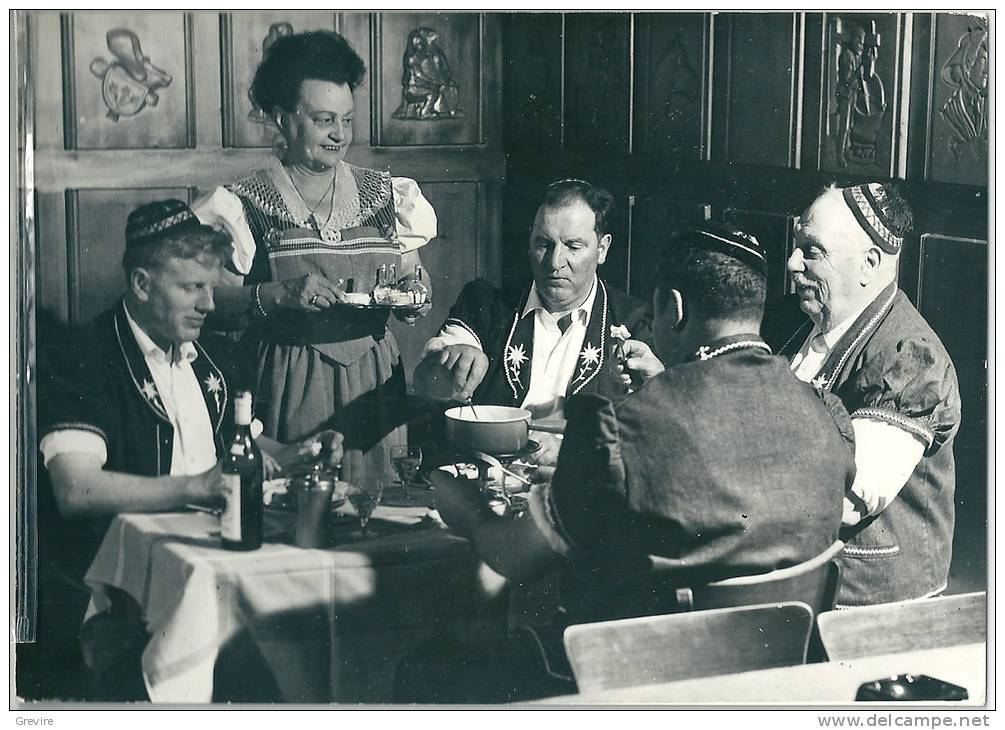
<point x="406" y="461"/>
<point x="364" y="498"/>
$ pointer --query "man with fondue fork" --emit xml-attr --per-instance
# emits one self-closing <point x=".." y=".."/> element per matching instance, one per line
<point x="702" y="471"/>
<point x="551" y="339"/>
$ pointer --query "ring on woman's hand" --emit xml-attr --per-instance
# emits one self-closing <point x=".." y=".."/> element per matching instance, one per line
<point x="314" y="300"/>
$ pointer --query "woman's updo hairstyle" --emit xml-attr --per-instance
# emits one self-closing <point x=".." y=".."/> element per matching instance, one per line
<point x="321" y="54"/>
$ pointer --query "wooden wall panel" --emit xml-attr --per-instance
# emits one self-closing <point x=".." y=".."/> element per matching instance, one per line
<point x="458" y="38"/>
<point x="952" y="297"/>
<point x="672" y="74"/>
<point x="243" y="39"/>
<point x="532" y="88"/>
<point x="451" y="259"/>
<point x="128" y="80"/>
<point x="859" y="94"/>
<point x="774" y="232"/>
<point x="51" y="288"/>
<point x="958" y="114"/>
<point x="597" y="82"/>
<point x="755" y="83"/>
<point x="96" y="224"/>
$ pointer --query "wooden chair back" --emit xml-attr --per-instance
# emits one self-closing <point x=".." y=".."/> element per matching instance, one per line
<point x="653" y="649"/>
<point x="888" y="628"/>
<point x="814" y="582"/>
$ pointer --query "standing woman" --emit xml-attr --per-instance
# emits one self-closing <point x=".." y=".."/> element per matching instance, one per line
<point x="300" y="225"/>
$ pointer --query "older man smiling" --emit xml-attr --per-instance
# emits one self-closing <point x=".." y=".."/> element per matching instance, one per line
<point x="856" y="335"/>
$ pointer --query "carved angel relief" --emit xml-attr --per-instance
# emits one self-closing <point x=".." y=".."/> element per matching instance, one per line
<point x="859" y="95"/>
<point x="966" y="72"/>
<point x="130" y="82"/>
<point x="428" y="92"/>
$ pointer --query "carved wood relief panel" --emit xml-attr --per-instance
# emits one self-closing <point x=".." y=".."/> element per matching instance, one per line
<point x="672" y="55"/>
<point x="127" y="80"/>
<point x="958" y="89"/>
<point x="755" y="85"/>
<point x="597" y="82"/>
<point x="96" y="224"/>
<point x="243" y="40"/>
<point x="426" y="70"/>
<point x="860" y="97"/>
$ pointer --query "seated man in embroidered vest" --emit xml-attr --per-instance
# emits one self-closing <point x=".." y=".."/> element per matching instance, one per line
<point x="694" y="472"/>
<point x="550" y="339"/>
<point x="135" y="414"/>
<point x="850" y="331"/>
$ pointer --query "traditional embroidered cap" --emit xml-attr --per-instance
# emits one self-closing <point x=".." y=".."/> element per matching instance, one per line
<point x="870" y="204"/>
<point x="731" y="242"/>
<point x="158" y="219"/>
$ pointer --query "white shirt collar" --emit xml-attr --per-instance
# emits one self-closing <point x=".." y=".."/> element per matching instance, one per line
<point x="150" y="349"/>
<point x="836" y="333"/>
<point x="534" y="303"/>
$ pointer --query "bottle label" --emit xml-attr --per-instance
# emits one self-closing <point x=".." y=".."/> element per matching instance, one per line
<point x="242" y="409"/>
<point x="230" y="521"/>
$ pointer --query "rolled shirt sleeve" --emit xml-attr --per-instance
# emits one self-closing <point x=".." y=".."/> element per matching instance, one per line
<point x="73" y="441"/>
<point x="415" y="219"/>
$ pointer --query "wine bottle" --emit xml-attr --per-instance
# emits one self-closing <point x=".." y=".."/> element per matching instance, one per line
<point x="243" y="471"/>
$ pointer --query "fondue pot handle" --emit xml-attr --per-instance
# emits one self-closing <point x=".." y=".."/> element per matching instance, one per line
<point x="548" y="426"/>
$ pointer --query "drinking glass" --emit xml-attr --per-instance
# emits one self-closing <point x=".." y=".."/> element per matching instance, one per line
<point x="406" y="461"/>
<point x="364" y="498"/>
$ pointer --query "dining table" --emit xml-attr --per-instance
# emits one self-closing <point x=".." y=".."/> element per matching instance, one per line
<point x="833" y="682"/>
<point x="285" y="623"/>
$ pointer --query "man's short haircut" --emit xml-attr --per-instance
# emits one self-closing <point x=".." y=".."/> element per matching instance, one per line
<point x="565" y="192"/>
<point x="195" y="244"/>
<point x="721" y="285"/>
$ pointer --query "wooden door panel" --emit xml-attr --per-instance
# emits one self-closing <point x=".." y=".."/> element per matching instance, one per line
<point x="672" y="56"/>
<point x="952" y="297"/>
<point x="96" y="224"/>
<point x="243" y="39"/>
<point x="754" y="86"/>
<point x="451" y="260"/>
<point x="597" y="82"/>
<point x="128" y="80"/>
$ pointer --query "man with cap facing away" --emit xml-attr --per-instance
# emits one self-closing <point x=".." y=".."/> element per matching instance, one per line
<point x="696" y="471"/>
<point x="848" y="330"/>
<point x="135" y="415"/>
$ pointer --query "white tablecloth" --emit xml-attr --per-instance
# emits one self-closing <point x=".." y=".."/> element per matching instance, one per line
<point x="361" y="603"/>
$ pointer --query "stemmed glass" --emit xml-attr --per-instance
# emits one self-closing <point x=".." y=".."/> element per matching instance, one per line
<point x="364" y="498"/>
<point x="406" y="461"/>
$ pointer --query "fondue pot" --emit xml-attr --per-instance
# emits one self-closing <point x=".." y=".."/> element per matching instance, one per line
<point x="497" y="430"/>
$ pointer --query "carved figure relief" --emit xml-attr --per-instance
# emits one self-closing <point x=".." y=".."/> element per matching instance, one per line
<point x="860" y="94"/>
<point x="130" y="82"/>
<point x="966" y="71"/>
<point x="428" y="92"/>
<point x="276" y="31"/>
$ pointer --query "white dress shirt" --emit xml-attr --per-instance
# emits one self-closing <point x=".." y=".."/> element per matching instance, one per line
<point x="553" y="361"/>
<point x="885" y="455"/>
<point x="194" y="449"/>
